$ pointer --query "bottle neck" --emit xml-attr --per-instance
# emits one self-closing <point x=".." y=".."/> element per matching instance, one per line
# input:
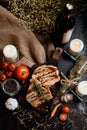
<point x="68" y="10"/>
<point x="67" y="14"/>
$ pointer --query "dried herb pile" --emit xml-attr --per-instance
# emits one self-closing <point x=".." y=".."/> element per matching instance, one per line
<point x="39" y="15"/>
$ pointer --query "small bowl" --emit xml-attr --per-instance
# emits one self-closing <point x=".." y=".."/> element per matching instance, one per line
<point x="11" y="87"/>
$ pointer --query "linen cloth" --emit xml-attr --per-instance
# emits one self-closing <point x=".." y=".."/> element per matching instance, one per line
<point x="13" y="31"/>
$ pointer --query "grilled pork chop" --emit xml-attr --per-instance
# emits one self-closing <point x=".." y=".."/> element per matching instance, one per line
<point x="43" y="78"/>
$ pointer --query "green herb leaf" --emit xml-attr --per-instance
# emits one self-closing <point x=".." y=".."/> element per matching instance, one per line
<point x="38" y="88"/>
<point x="45" y="98"/>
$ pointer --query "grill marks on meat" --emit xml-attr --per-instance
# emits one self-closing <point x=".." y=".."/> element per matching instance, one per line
<point x="46" y="76"/>
<point x="44" y="71"/>
<point x="35" y="99"/>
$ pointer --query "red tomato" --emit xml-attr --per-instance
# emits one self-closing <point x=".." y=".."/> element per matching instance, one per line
<point x="65" y="109"/>
<point x="2" y="77"/>
<point x="9" y="74"/>
<point x="63" y="116"/>
<point x="4" y="64"/>
<point x="11" y="67"/>
<point x="21" y="72"/>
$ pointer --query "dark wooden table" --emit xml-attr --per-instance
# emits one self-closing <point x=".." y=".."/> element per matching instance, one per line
<point x="27" y="118"/>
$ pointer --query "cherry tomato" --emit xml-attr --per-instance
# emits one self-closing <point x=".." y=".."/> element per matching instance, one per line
<point x="9" y="74"/>
<point x="21" y="72"/>
<point x="63" y="116"/>
<point x="65" y="109"/>
<point x="4" y="64"/>
<point x="2" y="77"/>
<point x="11" y="67"/>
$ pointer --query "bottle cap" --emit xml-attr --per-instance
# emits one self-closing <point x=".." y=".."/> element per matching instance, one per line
<point x="69" y="6"/>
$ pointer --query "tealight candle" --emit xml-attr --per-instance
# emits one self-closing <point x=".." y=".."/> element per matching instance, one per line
<point x="10" y="53"/>
<point x="82" y="88"/>
<point x="76" y="46"/>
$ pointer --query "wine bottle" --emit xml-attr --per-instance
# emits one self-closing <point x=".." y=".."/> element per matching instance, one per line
<point x="64" y="26"/>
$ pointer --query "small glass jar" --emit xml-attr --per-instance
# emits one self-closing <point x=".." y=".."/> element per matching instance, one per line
<point x="11" y="87"/>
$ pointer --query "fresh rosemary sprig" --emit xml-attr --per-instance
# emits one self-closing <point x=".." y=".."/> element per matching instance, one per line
<point x="38" y="88"/>
<point x="40" y="91"/>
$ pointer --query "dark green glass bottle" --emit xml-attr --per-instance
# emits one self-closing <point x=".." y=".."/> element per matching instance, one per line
<point x="64" y="26"/>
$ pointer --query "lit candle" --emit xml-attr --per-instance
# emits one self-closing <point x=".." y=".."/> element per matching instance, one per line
<point x="10" y="53"/>
<point x="76" y="46"/>
<point x="82" y="88"/>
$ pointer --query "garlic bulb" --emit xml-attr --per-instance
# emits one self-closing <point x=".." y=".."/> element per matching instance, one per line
<point x="66" y="98"/>
<point x="11" y="104"/>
